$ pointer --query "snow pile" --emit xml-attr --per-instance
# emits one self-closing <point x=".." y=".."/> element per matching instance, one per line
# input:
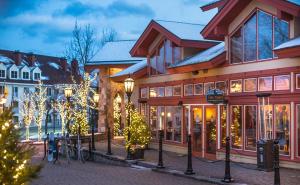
<point x="291" y="43"/>
<point x="55" y="65"/>
<point x="6" y="60"/>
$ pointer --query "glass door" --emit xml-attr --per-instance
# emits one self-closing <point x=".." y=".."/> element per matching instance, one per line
<point x="211" y="130"/>
<point x="197" y="122"/>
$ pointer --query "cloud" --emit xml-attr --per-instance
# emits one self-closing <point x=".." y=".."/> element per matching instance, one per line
<point x="15" y="7"/>
<point x="121" y="8"/>
<point x="78" y="9"/>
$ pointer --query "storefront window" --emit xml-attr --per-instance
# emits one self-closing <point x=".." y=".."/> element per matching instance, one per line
<point x="169" y="91"/>
<point x="266" y="122"/>
<point x="153" y="92"/>
<point x="236" y="86"/>
<point x="177" y="90"/>
<point x="282" y="82"/>
<point x="144" y="93"/>
<point x="198" y="89"/>
<point x="282" y="127"/>
<point x="186" y="119"/>
<point x="223" y="125"/>
<point x="250" y="127"/>
<point x="265" y="83"/>
<point x="298" y="129"/>
<point x="161" y="92"/>
<point x="208" y="86"/>
<point x="153" y="121"/>
<point x="161" y="117"/>
<point x="143" y="110"/>
<point x="197" y="122"/>
<point x="297" y="81"/>
<point x="221" y="86"/>
<point x="250" y="85"/>
<point x="188" y="90"/>
<point x="173" y="123"/>
<point x="236" y="127"/>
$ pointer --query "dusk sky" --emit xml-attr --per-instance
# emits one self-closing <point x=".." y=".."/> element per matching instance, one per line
<point x="45" y="26"/>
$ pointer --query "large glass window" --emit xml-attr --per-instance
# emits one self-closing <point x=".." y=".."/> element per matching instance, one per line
<point x="282" y="127"/>
<point x="221" y="86"/>
<point x="257" y="37"/>
<point x="153" y="92"/>
<point x="265" y="83"/>
<point x="169" y="91"/>
<point x="208" y="86"/>
<point x="173" y="123"/>
<point x="298" y="129"/>
<point x="161" y="92"/>
<point x="250" y="85"/>
<point x="266" y="122"/>
<point x="223" y="125"/>
<point x="236" y="127"/>
<point x="250" y="127"/>
<point x="198" y="89"/>
<point x="297" y="81"/>
<point x="168" y="50"/>
<point x="177" y="90"/>
<point x="160" y="60"/>
<point x="265" y="45"/>
<point x="282" y="82"/>
<point x="188" y="90"/>
<point x="177" y="54"/>
<point x="144" y="93"/>
<point x="153" y="65"/>
<point x="197" y="120"/>
<point x="153" y="121"/>
<point x="236" y="86"/>
<point x="249" y="42"/>
<point x="37" y="76"/>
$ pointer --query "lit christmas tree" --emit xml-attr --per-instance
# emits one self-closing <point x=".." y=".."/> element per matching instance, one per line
<point x="236" y="126"/>
<point x="15" y="158"/>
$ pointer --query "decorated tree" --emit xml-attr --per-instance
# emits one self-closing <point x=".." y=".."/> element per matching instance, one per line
<point x="63" y="111"/>
<point x="140" y="133"/>
<point x="117" y="118"/>
<point x="27" y="111"/>
<point x="40" y="98"/>
<point x="15" y="168"/>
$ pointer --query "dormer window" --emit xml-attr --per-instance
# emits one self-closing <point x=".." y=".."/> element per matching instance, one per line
<point x="2" y="73"/>
<point x="26" y="75"/>
<point x="37" y="76"/>
<point x="14" y="74"/>
<point x="257" y="37"/>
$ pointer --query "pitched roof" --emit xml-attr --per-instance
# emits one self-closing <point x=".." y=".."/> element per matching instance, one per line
<point x="115" y="52"/>
<point x="296" y="2"/>
<point x="132" y="69"/>
<point x="289" y="44"/>
<point x="289" y="49"/>
<point x="51" y="67"/>
<point x="203" y="56"/>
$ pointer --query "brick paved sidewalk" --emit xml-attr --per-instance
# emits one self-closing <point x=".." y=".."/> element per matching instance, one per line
<point x="242" y="173"/>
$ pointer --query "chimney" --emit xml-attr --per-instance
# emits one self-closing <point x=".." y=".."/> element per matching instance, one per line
<point x="17" y="57"/>
<point x="31" y="59"/>
<point x="63" y="63"/>
<point x="74" y="66"/>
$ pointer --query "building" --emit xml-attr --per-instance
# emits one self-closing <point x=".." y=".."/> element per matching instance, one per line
<point x="21" y="72"/>
<point x="249" y="48"/>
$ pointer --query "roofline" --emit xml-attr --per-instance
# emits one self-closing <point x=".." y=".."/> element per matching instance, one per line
<point x="117" y="62"/>
<point x="213" y="5"/>
<point x="289" y="52"/>
<point x="140" y="73"/>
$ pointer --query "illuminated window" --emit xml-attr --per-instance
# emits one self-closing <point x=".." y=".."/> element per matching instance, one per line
<point x="223" y="125"/>
<point x="282" y="127"/>
<point x="177" y="90"/>
<point x="282" y="82"/>
<point x="188" y="90"/>
<point x="236" y="86"/>
<point x="221" y="86"/>
<point x="144" y="93"/>
<point x="173" y="123"/>
<point x="236" y="126"/>
<point x="153" y="121"/>
<point x="250" y="127"/>
<point x="198" y="89"/>
<point x="169" y="91"/>
<point x="161" y="92"/>
<point x="153" y="92"/>
<point x="208" y="86"/>
<point x="250" y="85"/>
<point x="265" y="83"/>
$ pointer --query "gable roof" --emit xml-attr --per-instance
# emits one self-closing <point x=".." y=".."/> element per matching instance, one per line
<point x="217" y="27"/>
<point x="290" y="48"/>
<point x="213" y="4"/>
<point x="181" y="33"/>
<point x="132" y="70"/>
<point x="209" y="58"/>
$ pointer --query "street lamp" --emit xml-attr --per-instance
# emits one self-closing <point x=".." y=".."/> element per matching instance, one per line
<point x="129" y="84"/>
<point x="96" y="98"/>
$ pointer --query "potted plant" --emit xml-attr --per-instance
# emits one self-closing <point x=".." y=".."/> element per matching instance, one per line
<point x="140" y="135"/>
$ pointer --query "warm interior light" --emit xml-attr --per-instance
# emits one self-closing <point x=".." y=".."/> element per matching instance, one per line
<point x="96" y="97"/>
<point x="68" y="92"/>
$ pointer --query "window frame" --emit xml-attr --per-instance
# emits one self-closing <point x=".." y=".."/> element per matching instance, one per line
<point x="23" y="75"/>
<point x="202" y="91"/>
<point x="272" y="88"/>
<point x="190" y="85"/>
<point x="146" y="92"/>
<point x="297" y="81"/>
<point x="167" y="87"/>
<point x="11" y="74"/>
<point x="277" y="76"/>
<point x="34" y="76"/>
<point x="244" y="126"/>
<point x="241" y="80"/>
<point x="4" y="72"/>
<point x="177" y="86"/>
<point x="244" y="84"/>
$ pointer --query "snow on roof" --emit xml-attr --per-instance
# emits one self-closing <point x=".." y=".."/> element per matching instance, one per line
<point x="6" y="60"/>
<point x="297" y="2"/>
<point x="44" y="77"/>
<point x="203" y="56"/>
<point x="183" y="30"/>
<point x="115" y="51"/>
<point x="55" y="65"/>
<point x="291" y="43"/>
<point x="132" y="69"/>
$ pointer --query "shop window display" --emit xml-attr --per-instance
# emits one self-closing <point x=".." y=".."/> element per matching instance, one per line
<point x="236" y="127"/>
<point x="223" y="125"/>
<point x="250" y="85"/>
<point x="250" y="127"/>
<point x="153" y="92"/>
<point x="265" y="83"/>
<point x="169" y="91"/>
<point x="198" y="89"/>
<point x="173" y="123"/>
<point x="161" y="92"/>
<point x="188" y="90"/>
<point x="282" y="127"/>
<point x="177" y="90"/>
<point x="236" y="86"/>
<point x="208" y="86"/>
<point x="221" y="86"/>
<point x="282" y="82"/>
<point x="153" y="121"/>
<point x="197" y="128"/>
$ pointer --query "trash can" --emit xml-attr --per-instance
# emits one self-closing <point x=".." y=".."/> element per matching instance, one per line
<point x="265" y="155"/>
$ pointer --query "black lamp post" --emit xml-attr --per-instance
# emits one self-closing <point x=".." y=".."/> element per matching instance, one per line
<point x="96" y="100"/>
<point x="129" y="85"/>
<point x="68" y="93"/>
<point x="227" y="176"/>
